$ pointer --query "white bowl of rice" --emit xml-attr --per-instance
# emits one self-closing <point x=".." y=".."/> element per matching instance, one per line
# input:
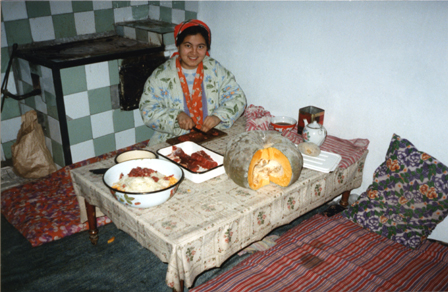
<point x="143" y="183"/>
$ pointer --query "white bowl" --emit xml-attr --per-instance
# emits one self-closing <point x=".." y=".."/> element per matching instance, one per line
<point x="189" y="148"/>
<point x="135" y="154"/>
<point x="146" y="199"/>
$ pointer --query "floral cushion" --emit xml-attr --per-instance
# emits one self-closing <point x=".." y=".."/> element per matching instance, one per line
<point x="47" y="209"/>
<point x="407" y="198"/>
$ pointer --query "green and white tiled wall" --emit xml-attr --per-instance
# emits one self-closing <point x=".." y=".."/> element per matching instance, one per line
<point x="94" y="126"/>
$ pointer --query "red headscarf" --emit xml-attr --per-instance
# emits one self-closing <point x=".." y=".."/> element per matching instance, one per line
<point x="189" y="23"/>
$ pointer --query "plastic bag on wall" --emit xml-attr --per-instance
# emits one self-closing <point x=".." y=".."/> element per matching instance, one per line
<point x="30" y="155"/>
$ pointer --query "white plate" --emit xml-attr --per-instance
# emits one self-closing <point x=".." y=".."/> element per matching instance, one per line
<point x="325" y="162"/>
<point x="189" y="148"/>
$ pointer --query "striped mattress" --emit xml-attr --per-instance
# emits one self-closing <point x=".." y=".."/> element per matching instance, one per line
<point x="334" y="254"/>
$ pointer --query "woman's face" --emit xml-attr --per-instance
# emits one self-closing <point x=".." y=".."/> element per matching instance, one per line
<point x="192" y="51"/>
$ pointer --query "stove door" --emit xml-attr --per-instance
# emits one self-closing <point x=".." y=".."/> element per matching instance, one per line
<point x="133" y="74"/>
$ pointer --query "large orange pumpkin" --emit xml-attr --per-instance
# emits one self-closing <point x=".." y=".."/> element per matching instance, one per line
<point x="256" y="158"/>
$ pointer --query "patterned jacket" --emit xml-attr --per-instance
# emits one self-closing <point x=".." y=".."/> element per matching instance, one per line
<point x="162" y="99"/>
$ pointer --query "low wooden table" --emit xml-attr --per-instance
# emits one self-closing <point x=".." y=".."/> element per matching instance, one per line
<point x="204" y="224"/>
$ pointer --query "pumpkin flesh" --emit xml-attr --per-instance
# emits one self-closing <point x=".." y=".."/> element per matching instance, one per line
<point x="269" y="165"/>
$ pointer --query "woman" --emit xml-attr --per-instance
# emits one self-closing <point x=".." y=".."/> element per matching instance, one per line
<point x="190" y="88"/>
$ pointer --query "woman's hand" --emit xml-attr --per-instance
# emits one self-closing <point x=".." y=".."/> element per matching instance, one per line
<point x="185" y="122"/>
<point x="210" y="122"/>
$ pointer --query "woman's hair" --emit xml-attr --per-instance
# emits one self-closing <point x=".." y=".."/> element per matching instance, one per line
<point x="193" y="30"/>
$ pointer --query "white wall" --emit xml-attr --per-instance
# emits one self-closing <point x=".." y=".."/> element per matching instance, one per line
<point x="377" y="68"/>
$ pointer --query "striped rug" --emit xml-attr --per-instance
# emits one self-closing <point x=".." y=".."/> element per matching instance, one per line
<point x="334" y="254"/>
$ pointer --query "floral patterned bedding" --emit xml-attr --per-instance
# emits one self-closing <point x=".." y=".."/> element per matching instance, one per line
<point x="407" y="198"/>
<point x="47" y="209"/>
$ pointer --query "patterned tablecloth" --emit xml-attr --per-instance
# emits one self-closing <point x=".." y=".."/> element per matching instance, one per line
<point x="204" y="224"/>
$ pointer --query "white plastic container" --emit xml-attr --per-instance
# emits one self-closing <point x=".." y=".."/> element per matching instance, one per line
<point x="325" y="162"/>
<point x="189" y="148"/>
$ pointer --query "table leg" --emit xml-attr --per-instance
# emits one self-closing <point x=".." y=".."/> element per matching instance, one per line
<point x="181" y="287"/>
<point x="91" y="217"/>
<point x="344" y="199"/>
